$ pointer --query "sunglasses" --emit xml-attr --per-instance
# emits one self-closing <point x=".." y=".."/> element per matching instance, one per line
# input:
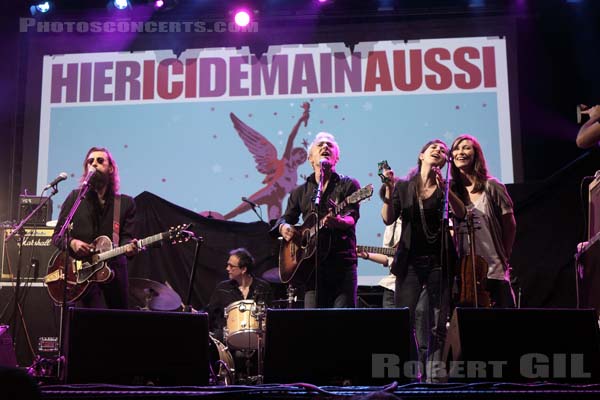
<point x="233" y="266"/>
<point x="100" y="160"/>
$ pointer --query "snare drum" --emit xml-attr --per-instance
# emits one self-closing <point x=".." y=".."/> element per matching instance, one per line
<point x="243" y="324"/>
<point x="222" y="367"/>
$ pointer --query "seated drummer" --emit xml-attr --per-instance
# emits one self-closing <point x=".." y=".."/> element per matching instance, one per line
<point x="241" y="285"/>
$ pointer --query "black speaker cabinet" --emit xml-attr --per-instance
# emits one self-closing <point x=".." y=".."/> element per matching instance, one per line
<point x="588" y="276"/>
<point x="336" y="346"/>
<point x="136" y="347"/>
<point x="515" y="345"/>
<point x="40" y="323"/>
<point x="29" y="203"/>
<point x="37" y="251"/>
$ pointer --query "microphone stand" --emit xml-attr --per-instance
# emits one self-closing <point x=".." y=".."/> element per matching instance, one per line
<point x="317" y="233"/>
<point x="257" y="214"/>
<point x="188" y="300"/>
<point x="19" y="232"/>
<point x="64" y="237"/>
<point x="445" y="278"/>
<point x="253" y="205"/>
<point x="445" y="284"/>
<point x="444" y="256"/>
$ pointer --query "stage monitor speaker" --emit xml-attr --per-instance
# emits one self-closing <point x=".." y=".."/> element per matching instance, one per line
<point x="136" y="347"/>
<point x="337" y="346"/>
<point x="516" y="345"/>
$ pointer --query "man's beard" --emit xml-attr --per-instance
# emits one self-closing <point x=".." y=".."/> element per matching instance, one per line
<point x="99" y="180"/>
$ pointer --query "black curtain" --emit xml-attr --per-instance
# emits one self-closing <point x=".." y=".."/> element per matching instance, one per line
<point x="551" y="219"/>
<point x="172" y="263"/>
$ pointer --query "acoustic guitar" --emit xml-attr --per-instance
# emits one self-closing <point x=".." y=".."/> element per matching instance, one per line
<point x="296" y="256"/>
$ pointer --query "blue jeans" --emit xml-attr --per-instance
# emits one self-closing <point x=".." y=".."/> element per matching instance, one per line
<point x="427" y="299"/>
<point x="338" y="284"/>
<point x="388" y="300"/>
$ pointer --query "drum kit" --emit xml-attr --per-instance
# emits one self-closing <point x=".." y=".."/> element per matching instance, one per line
<point x="243" y="334"/>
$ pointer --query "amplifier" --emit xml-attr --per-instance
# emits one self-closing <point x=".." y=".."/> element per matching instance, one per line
<point x="594" y="207"/>
<point x="28" y="203"/>
<point x="37" y="250"/>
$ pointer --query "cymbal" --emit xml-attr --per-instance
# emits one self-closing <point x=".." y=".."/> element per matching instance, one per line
<point x="272" y="275"/>
<point x="149" y="294"/>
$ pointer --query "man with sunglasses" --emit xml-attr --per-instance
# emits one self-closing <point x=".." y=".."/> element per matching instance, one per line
<point x="102" y="212"/>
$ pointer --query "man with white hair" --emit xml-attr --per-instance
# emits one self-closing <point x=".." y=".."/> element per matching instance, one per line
<point x="336" y="281"/>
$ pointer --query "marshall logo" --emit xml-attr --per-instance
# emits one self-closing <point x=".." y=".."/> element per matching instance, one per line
<point x="35" y="255"/>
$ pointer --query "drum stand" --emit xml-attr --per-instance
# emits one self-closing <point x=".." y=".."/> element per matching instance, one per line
<point x="248" y="353"/>
<point x="291" y="296"/>
<point x="261" y="328"/>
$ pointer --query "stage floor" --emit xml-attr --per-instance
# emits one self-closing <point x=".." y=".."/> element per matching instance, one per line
<point x="475" y="391"/>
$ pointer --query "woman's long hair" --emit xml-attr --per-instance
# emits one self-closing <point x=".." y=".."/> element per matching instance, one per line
<point x="417" y="170"/>
<point x="479" y="172"/>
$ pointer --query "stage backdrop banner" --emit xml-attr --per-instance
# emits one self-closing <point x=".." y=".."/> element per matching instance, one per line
<point x="213" y="125"/>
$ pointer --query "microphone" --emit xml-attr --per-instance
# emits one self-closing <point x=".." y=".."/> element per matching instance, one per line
<point x="254" y="207"/>
<point x="247" y="200"/>
<point x="325" y="164"/>
<point x="61" y="177"/>
<point x="91" y="172"/>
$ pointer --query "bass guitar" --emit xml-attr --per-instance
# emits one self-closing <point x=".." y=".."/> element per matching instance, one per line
<point x="81" y="273"/>
<point x="295" y="256"/>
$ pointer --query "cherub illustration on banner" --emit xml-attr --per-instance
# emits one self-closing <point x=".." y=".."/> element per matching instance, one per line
<point x="281" y="174"/>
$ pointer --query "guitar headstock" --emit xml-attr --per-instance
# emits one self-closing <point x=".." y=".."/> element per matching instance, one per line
<point x="360" y="195"/>
<point x="180" y="233"/>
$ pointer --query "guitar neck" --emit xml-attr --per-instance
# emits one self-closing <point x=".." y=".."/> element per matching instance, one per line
<point x="386" y="251"/>
<point x="340" y="207"/>
<point x="117" y="251"/>
<point x="354" y="198"/>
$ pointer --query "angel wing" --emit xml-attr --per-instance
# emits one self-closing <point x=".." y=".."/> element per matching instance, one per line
<point x="265" y="154"/>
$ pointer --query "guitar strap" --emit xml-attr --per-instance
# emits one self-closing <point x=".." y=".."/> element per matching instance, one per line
<point x="116" y="218"/>
<point x="393" y="238"/>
